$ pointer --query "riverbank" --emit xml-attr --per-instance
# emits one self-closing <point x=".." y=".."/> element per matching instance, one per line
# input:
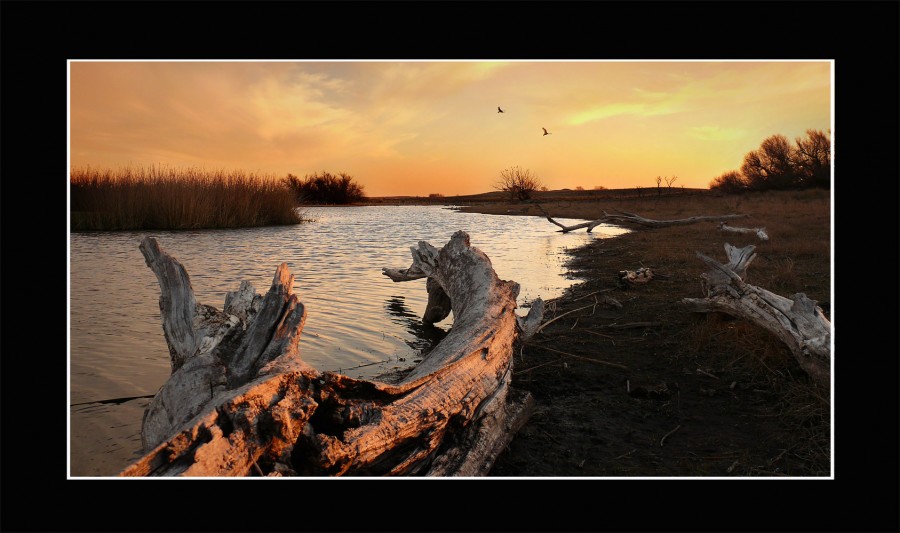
<point x="647" y="388"/>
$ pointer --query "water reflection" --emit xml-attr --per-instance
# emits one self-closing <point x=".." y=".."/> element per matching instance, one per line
<point x="423" y="336"/>
<point x="358" y="323"/>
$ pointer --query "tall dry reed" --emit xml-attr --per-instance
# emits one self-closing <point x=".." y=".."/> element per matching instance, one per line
<point x="141" y="198"/>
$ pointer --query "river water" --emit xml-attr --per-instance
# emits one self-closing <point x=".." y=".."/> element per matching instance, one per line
<point x="359" y="322"/>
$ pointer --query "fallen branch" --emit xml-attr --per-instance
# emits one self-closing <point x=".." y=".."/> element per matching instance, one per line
<point x="590" y="225"/>
<point x="760" y="232"/>
<point x="240" y="400"/>
<point x="623" y="217"/>
<point x="799" y="323"/>
<point x="631" y="218"/>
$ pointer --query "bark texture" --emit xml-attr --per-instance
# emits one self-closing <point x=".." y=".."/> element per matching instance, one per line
<point x="241" y="401"/>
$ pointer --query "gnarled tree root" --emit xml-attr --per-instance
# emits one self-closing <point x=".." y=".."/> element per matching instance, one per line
<point x="241" y="401"/>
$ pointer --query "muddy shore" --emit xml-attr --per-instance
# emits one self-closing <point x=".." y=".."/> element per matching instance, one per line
<point x="631" y="384"/>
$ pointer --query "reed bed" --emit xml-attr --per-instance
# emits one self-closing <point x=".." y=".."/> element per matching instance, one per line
<point x="159" y="198"/>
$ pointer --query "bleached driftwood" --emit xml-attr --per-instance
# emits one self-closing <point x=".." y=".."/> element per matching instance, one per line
<point x="635" y="277"/>
<point x="799" y="323"/>
<point x="589" y="225"/>
<point x="241" y="401"/>
<point x="760" y="232"/>
<point x="630" y="218"/>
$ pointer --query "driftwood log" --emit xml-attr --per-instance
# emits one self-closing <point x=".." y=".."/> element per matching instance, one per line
<point x="760" y="232"/>
<point x="626" y="218"/>
<point x="799" y="323"/>
<point x="241" y="401"/>
<point x="635" y="277"/>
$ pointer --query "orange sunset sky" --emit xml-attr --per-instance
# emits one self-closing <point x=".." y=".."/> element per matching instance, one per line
<point x="422" y="127"/>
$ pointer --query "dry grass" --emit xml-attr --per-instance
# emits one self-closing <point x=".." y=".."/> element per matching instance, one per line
<point x="175" y="199"/>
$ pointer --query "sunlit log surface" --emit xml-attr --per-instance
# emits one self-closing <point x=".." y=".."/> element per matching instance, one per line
<point x="799" y="323"/>
<point x="241" y="401"/>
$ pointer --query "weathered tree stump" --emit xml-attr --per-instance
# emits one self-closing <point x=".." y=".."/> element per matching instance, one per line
<point x="241" y="401"/>
<point x="799" y="323"/>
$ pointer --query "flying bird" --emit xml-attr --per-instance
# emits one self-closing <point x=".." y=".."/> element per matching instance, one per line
<point x="546" y="132"/>
<point x="500" y="110"/>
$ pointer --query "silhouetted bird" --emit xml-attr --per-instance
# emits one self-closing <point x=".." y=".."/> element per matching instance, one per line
<point x="500" y="110"/>
<point x="546" y="132"/>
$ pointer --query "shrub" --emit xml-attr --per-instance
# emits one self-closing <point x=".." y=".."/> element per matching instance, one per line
<point x="730" y="182"/>
<point x="325" y="188"/>
<point x="518" y="182"/>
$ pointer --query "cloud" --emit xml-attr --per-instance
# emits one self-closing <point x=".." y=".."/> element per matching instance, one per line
<point x="716" y="133"/>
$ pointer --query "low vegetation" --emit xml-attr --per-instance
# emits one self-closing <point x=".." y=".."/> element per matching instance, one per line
<point x="325" y="188"/>
<point x="177" y="199"/>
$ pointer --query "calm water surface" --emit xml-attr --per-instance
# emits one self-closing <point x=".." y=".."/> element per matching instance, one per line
<point x="359" y="322"/>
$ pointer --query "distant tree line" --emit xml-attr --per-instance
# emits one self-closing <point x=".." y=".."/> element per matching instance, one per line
<point x="325" y="188"/>
<point x="778" y="164"/>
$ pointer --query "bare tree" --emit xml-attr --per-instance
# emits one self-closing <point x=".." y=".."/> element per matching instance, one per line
<point x="658" y="185"/>
<point x="670" y="181"/>
<point x="812" y="159"/>
<point x="770" y="167"/>
<point x="518" y="182"/>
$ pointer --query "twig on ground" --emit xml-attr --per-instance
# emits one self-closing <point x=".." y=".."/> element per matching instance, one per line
<point x="551" y="437"/>
<point x="663" y="439"/>
<point x="554" y="319"/>
<point x="537" y="366"/>
<point x="624" y="455"/>
<point x="599" y="334"/>
<point x="630" y="325"/>
<point x="617" y="365"/>
<point x="705" y="373"/>
<point x="591" y="294"/>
